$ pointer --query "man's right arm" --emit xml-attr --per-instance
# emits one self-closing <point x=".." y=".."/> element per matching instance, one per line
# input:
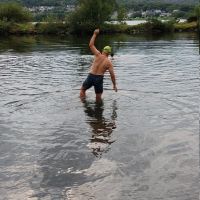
<point x="91" y="44"/>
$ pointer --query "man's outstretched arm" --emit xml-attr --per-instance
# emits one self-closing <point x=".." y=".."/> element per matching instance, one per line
<point x="91" y="44"/>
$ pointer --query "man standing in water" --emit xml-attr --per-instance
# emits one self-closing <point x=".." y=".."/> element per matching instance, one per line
<point x="100" y="65"/>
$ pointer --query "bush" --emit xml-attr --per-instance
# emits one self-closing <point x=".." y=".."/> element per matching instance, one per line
<point x="26" y="28"/>
<point x="194" y="15"/>
<point x="4" y="27"/>
<point x="114" y="28"/>
<point x="192" y="26"/>
<point x="152" y="26"/>
<point x="192" y="18"/>
<point x="51" y="28"/>
<point x="13" y="12"/>
<point x="158" y="26"/>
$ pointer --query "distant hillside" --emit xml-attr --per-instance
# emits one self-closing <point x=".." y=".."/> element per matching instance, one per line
<point x="158" y="1"/>
<point x="122" y="2"/>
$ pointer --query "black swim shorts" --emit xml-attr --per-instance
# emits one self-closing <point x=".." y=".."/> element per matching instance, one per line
<point x="94" y="80"/>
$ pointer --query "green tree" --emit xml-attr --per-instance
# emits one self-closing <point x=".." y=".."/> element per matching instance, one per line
<point x="91" y="13"/>
<point x="194" y="15"/>
<point x="122" y="13"/>
<point x="13" y="12"/>
<point x="179" y="14"/>
<point x="197" y="10"/>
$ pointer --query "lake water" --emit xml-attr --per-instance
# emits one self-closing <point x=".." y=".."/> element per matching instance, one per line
<point x="141" y="143"/>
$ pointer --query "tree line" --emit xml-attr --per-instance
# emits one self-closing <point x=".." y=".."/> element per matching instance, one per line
<point x="88" y="15"/>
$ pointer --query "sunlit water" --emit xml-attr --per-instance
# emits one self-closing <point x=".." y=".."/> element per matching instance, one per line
<point x="141" y="143"/>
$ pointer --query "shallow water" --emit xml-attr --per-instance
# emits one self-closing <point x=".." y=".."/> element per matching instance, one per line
<point x="141" y="143"/>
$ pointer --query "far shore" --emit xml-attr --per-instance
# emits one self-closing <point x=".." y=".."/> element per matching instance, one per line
<point x="129" y="27"/>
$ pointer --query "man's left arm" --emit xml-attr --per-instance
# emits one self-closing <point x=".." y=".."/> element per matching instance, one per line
<point x="112" y="75"/>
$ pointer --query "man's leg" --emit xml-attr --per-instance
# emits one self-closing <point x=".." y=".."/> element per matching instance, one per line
<point x="82" y="93"/>
<point x="98" y="97"/>
<point x="86" y="85"/>
<point x="99" y="88"/>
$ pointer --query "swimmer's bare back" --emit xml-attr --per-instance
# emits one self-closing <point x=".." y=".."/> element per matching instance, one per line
<point x="100" y="64"/>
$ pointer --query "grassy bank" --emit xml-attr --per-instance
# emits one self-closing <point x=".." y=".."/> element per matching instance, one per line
<point x="59" y="28"/>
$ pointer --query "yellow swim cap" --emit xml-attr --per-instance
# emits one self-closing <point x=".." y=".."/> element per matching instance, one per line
<point x="107" y="49"/>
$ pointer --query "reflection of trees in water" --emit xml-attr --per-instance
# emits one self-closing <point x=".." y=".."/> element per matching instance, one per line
<point x="17" y="43"/>
<point x="80" y="44"/>
<point x="101" y="127"/>
<point x="76" y="43"/>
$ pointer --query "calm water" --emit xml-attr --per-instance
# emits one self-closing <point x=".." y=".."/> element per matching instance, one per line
<point x="141" y="143"/>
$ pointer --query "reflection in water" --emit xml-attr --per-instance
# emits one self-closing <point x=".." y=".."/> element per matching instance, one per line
<point x="29" y="44"/>
<point x="18" y="44"/>
<point x="102" y="127"/>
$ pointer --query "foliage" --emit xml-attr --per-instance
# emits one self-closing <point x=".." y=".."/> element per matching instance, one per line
<point x="155" y="25"/>
<point x="197" y="13"/>
<point x="114" y="28"/>
<point x="90" y="14"/>
<point x="152" y="26"/>
<point x="192" y="18"/>
<point x="194" y="15"/>
<point x="13" y="12"/>
<point x="4" y="27"/>
<point x="197" y="10"/>
<point x="122" y="13"/>
<point x="22" y="28"/>
<point x="16" y="28"/>
<point x="50" y="18"/>
<point x="51" y="28"/>
<point x="179" y="14"/>
<point x="180" y="27"/>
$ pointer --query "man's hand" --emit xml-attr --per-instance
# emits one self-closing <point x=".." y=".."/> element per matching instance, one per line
<point x="91" y="44"/>
<point x="115" y="88"/>
<point x="96" y="31"/>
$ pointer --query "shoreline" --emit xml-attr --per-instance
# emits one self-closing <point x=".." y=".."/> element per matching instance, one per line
<point x="60" y="28"/>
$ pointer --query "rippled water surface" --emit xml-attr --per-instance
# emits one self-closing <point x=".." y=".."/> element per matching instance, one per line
<point x="139" y="144"/>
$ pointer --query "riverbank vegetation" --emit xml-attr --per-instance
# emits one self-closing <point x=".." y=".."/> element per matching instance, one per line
<point x="89" y="14"/>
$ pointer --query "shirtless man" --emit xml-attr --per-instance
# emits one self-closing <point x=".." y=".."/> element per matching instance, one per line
<point x="100" y="65"/>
